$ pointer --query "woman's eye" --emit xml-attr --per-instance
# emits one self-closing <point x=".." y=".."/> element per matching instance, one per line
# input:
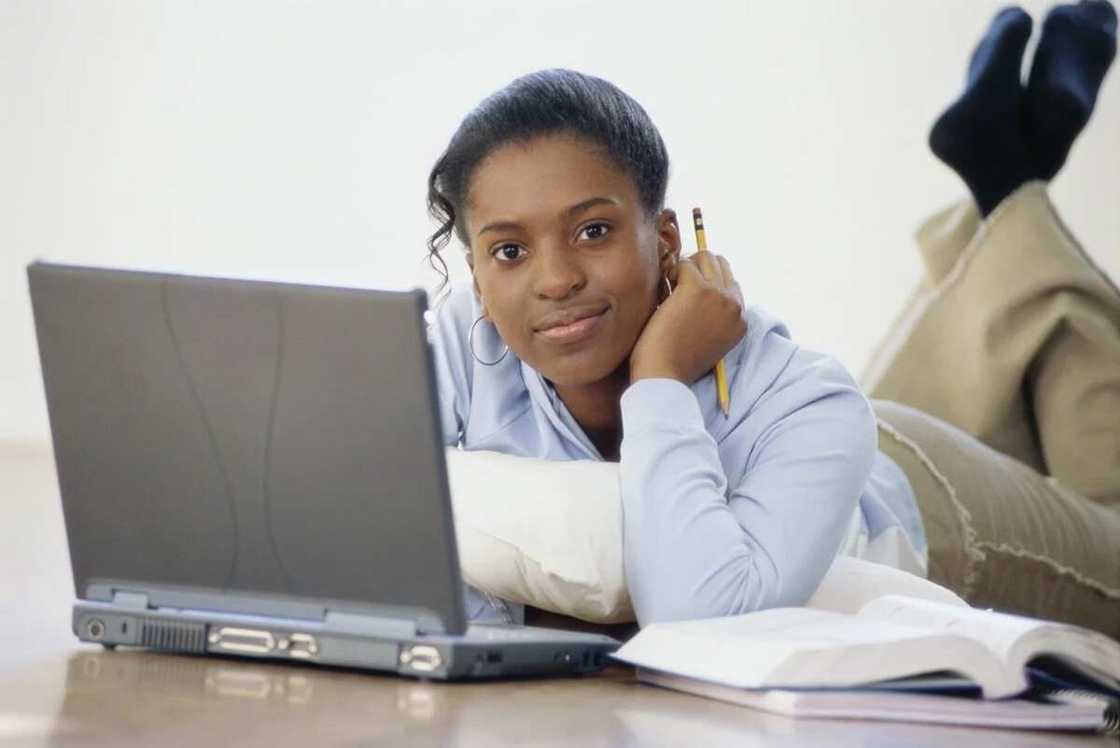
<point x="507" y="252"/>
<point x="595" y="230"/>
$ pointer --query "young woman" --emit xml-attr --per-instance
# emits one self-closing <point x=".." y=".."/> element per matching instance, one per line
<point x="586" y="335"/>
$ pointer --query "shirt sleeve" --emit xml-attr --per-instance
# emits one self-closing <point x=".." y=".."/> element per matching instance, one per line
<point x="452" y="370"/>
<point x="695" y="547"/>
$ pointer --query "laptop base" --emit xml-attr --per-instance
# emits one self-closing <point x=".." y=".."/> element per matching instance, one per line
<point x="484" y="651"/>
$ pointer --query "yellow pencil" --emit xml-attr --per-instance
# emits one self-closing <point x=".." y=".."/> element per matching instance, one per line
<point x="721" y="372"/>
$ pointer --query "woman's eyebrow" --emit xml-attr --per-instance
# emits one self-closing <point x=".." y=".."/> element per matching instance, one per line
<point x="499" y="226"/>
<point x="571" y="212"/>
<point x="591" y="203"/>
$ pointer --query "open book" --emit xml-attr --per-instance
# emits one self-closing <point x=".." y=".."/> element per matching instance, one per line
<point x="888" y="637"/>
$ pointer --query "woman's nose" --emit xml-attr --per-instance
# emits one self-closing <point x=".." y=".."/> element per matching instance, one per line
<point x="558" y="274"/>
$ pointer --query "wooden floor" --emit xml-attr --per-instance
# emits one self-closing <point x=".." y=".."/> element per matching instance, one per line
<point x="58" y="692"/>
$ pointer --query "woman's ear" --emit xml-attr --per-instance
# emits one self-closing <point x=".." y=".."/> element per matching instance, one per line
<point x="668" y="240"/>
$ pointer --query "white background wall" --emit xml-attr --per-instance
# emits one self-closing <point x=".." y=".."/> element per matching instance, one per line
<point x="292" y="140"/>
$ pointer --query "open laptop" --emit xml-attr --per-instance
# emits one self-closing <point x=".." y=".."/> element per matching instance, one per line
<point x="257" y="469"/>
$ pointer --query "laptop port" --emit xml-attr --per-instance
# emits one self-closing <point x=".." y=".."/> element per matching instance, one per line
<point x="95" y="629"/>
<point x="300" y="646"/>
<point x="421" y="657"/>
<point x="246" y="641"/>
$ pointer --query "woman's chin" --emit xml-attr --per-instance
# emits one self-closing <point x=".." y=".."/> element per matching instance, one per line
<point x="579" y="371"/>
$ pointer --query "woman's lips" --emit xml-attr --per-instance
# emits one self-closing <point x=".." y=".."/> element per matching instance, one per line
<point x="574" y="332"/>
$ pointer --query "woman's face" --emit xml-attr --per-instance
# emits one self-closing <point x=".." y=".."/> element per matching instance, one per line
<point x="557" y="233"/>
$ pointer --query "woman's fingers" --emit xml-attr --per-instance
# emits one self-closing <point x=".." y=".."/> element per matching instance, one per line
<point x="709" y="267"/>
<point x="713" y="268"/>
<point x="734" y="287"/>
<point x="728" y="276"/>
<point x="686" y="271"/>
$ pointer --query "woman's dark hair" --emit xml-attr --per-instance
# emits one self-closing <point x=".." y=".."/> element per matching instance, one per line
<point x="545" y="103"/>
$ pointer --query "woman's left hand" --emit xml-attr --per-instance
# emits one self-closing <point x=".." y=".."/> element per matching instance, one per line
<point x="696" y="326"/>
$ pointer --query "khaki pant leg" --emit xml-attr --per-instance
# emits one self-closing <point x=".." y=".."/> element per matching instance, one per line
<point x="1000" y="534"/>
<point x="1014" y="337"/>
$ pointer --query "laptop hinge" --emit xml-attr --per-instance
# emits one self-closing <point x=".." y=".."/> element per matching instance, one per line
<point x="130" y="600"/>
<point x="356" y="623"/>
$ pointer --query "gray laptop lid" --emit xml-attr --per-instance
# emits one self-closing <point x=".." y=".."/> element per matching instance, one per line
<point x="247" y="446"/>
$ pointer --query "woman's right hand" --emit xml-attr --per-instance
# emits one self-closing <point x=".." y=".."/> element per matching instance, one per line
<point x="696" y="326"/>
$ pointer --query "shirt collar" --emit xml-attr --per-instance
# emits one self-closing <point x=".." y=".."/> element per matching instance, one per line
<point x="544" y="396"/>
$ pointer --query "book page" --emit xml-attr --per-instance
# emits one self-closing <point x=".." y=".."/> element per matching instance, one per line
<point x="999" y="632"/>
<point x="1015" y="640"/>
<point x="803" y="647"/>
<point x="1090" y="654"/>
<point x="851" y="583"/>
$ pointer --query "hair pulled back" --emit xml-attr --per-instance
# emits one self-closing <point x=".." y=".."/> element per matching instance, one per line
<point x="546" y="102"/>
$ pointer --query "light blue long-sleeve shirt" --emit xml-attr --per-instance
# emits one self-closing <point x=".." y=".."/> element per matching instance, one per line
<point x="720" y="515"/>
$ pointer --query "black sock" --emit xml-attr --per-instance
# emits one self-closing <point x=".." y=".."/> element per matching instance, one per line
<point x="1077" y="45"/>
<point x="980" y="135"/>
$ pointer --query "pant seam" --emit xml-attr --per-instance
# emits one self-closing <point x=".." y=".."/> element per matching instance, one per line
<point x="1068" y="235"/>
<point x="972" y="551"/>
<point x="1055" y="566"/>
<point x="972" y="248"/>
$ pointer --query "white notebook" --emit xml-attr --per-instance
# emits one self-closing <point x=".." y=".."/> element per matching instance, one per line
<point x="1060" y="711"/>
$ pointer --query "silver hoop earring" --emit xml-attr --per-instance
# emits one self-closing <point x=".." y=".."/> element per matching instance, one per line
<point x="470" y="344"/>
<point x="668" y="289"/>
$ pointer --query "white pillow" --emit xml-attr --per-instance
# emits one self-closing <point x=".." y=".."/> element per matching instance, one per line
<point x="548" y="533"/>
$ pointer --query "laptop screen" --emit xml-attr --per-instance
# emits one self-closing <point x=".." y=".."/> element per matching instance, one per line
<point x="270" y="444"/>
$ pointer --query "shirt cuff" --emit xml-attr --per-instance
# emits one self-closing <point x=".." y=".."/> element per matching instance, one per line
<point x="659" y="404"/>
